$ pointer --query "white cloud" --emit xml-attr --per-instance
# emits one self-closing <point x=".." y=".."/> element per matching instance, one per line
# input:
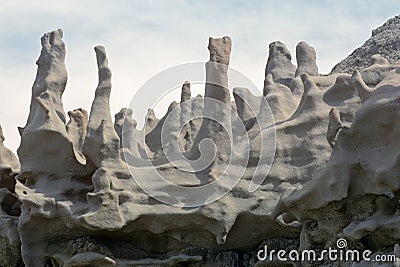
<point x="144" y="38"/>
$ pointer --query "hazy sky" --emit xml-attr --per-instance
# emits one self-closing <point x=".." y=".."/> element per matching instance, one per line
<point x="143" y="38"/>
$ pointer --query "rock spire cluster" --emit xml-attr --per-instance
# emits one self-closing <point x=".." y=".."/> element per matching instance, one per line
<point x="72" y="199"/>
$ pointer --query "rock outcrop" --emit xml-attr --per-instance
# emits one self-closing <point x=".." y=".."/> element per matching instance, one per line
<point x="247" y="104"/>
<point x="280" y="98"/>
<point x="213" y="141"/>
<point x="10" y="245"/>
<point x="384" y="41"/>
<point x="306" y="60"/>
<point x="46" y="119"/>
<point x="185" y="135"/>
<point x="334" y="126"/>
<point x="356" y="195"/>
<point x="312" y="159"/>
<point x="279" y="63"/>
<point x="131" y="139"/>
<point x="102" y="142"/>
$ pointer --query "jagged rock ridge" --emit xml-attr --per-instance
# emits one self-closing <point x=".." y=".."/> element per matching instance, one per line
<point x="335" y="170"/>
<point x="385" y="40"/>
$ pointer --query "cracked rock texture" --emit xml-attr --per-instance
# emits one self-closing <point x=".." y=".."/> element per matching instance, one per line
<point x="385" y="40"/>
<point x="72" y="196"/>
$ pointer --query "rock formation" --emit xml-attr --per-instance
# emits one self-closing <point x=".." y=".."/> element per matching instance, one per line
<point x="280" y="98"/>
<point x="102" y="142"/>
<point x="313" y="159"/>
<point x="216" y="123"/>
<point x="384" y="41"/>
<point x="279" y="63"/>
<point x="77" y="129"/>
<point x="46" y="119"/>
<point x="10" y="207"/>
<point x="185" y="135"/>
<point x="151" y="120"/>
<point x="334" y="126"/>
<point x="247" y="105"/>
<point x="306" y="60"/>
<point x="131" y="139"/>
<point x="356" y="195"/>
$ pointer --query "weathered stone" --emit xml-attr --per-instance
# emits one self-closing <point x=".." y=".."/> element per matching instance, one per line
<point x="334" y="126"/>
<point x="247" y="104"/>
<point x="130" y="138"/>
<point x="217" y="101"/>
<point x="10" y="245"/>
<point x="306" y="60"/>
<point x="185" y="136"/>
<point x="279" y="98"/>
<point x="279" y="63"/>
<point x="46" y="118"/>
<point x="384" y="41"/>
<point x="104" y="194"/>
<point x="102" y="142"/>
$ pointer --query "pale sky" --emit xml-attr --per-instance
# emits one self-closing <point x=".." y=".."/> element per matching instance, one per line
<point x="143" y="38"/>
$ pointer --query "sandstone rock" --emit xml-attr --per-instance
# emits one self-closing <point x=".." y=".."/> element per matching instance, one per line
<point x="130" y="138"/>
<point x="76" y="128"/>
<point x="306" y="60"/>
<point x="197" y="107"/>
<point x="344" y="97"/>
<point x="217" y="70"/>
<point x="91" y="259"/>
<point x="295" y="157"/>
<point x="185" y="136"/>
<point x="102" y="142"/>
<point x="355" y="177"/>
<point x="279" y="98"/>
<point x="120" y="118"/>
<point x="220" y="49"/>
<point x="51" y="76"/>
<point x="279" y="63"/>
<point x="154" y="139"/>
<point x="46" y="116"/>
<point x="10" y="252"/>
<point x="151" y="121"/>
<point x="247" y="104"/>
<point x="374" y="74"/>
<point x="334" y="126"/>
<point x="384" y="41"/>
<point x="170" y="132"/>
<point x="9" y="163"/>
<point x="363" y="90"/>
<point x="112" y="195"/>
<point x="217" y="111"/>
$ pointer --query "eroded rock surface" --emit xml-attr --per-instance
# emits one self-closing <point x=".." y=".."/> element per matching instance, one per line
<point x="73" y="198"/>
<point x="10" y="246"/>
<point x="306" y="60"/>
<point x="384" y="41"/>
<point x="279" y="63"/>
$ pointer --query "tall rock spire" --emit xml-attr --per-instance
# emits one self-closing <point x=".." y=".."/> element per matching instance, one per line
<point x="46" y="119"/>
<point x="279" y="63"/>
<point x="217" y="96"/>
<point x="102" y="142"/>
<point x="306" y="60"/>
